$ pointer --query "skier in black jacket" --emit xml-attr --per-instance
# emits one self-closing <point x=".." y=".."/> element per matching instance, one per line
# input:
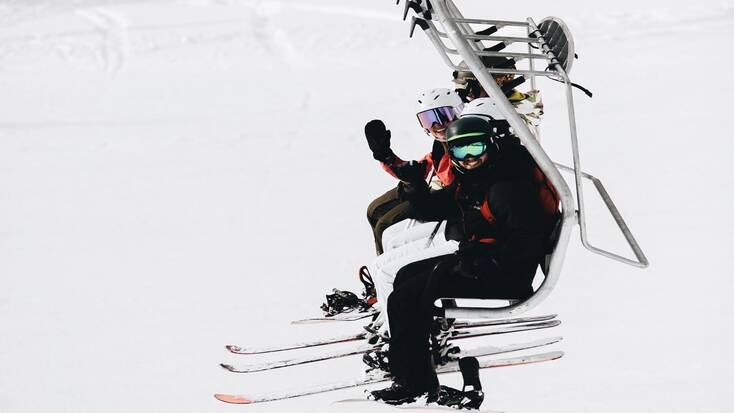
<point x="494" y="210"/>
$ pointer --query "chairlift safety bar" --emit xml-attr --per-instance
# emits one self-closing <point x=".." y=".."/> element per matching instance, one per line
<point x="641" y="259"/>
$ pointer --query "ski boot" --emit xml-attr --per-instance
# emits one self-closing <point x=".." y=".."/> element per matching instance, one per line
<point x="377" y="332"/>
<point x="377" y="360"/>
<point x="471" y="395"/>
<point x="442" y="351"/>
<point x="402" y="393"/>
<point x="339" y="302"/>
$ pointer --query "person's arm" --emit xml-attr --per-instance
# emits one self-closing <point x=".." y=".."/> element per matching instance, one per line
<point x="519" y="241"/>
<point x="378" y="140"/>
<point x="409" y="171"/>
<point x="426" y="205"/>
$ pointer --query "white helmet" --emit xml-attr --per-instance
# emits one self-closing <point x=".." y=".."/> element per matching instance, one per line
<point x="438" y="98"/>
<point x="483" y="108"/>
<point x="436" y="109"/>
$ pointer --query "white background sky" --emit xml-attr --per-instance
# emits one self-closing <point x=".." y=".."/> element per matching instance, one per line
<point x="179" y="175"/>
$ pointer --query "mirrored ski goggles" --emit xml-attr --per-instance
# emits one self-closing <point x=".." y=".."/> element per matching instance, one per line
<point x="461" y="152"/>
<point x="441" y="116"/>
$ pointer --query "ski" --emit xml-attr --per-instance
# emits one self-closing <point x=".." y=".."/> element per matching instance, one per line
<point x="359" y="336"/>
<point x="306" y="344"/>
<point x="362" y="405"/>
<point x="377" y="378"/>
<point x="517" y="320"/>
<point x="485" y="331"/>
<point x="338" y="317"/>
<point x="363" y="348"/>
<point x="460" y="324"/>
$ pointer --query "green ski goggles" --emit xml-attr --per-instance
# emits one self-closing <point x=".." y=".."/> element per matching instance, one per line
<point x="461" y="152"/>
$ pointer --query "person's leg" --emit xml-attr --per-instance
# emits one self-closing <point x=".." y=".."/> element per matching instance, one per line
<point x="377" y="210"/>
<point x="410" y="358"/>
<point x="395" y="231"/>
<point x="409" y="355"/>
<point x="445" y="281"/>
<point x="409" y="230"/>
<point x="399" y="212"/>
<point x="386" y="266"/>
<point x="411" y="309"/>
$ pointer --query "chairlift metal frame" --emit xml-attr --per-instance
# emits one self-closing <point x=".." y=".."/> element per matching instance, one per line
<point x="466" y="43"/>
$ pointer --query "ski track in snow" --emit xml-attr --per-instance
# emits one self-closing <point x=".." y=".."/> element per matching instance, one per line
<point x="262" y="29"/>
<point x="114" y="44"/>
<point x="654" y="22"/>
<point x="275" y="40"/>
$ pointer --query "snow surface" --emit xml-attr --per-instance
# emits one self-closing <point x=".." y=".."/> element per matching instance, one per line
<point x="179" y="175"/>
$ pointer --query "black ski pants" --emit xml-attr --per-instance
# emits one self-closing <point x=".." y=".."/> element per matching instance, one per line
<point x="384" y="211"/>
<point x="410" y="311"/>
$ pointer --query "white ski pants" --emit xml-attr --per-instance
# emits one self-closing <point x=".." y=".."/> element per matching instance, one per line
<point x="406" y="242"/>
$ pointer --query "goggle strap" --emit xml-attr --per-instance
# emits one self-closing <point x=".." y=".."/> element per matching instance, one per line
<point x="467" y="135"/>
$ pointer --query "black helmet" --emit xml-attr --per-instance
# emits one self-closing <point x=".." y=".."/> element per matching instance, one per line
<point x="469" y="129"/>
<point x="471" y="136"/>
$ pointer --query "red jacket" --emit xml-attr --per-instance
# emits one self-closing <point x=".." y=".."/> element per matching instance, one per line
<point x="442" y="169"/>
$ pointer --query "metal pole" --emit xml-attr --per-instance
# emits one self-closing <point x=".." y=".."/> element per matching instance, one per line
<point x="464" y="26"/>
<point x="533" y="85"/>
<point x="494" y="22"/>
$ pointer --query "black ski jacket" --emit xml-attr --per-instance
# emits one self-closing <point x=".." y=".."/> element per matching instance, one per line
<point x="494" y="212"/>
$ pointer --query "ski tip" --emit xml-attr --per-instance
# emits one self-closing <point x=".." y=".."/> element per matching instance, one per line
<point x="233" y="348"/>
<point x="552" y="340"/>
<point x="553" y="355"/>
<point x="232" y="398"/>
<point x="227" y="367"/>
<point x="236" y="349"/>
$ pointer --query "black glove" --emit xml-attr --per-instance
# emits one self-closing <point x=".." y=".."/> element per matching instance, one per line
<point x="378" y="139"/>
<point x="411" y="172"/>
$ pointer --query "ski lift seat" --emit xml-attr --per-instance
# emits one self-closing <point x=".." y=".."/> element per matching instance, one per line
<point x="552" y="243"/>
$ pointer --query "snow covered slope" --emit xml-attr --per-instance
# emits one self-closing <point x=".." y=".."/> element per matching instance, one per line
<point x="178" y="175"/>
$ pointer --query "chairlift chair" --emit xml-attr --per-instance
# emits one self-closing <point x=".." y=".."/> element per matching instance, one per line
<point x="549" y="42"/>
